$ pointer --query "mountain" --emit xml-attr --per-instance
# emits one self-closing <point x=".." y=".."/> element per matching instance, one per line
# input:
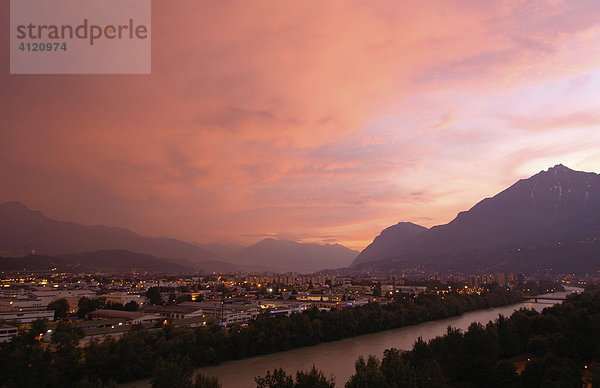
<point x="558" y="204"/>
<point x="556" y="212"/>
<point x="390" y="242"/>
<point x="118" y="261"/>
<point x="226" y="251"/>
<point x="289" y="256"/>
<point x="23" y="230"/>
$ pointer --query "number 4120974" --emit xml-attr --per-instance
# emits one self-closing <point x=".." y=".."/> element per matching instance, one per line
<point x="43" y="46"/>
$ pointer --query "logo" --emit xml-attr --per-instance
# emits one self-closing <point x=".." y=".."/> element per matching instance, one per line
<point x="80" y="37"/>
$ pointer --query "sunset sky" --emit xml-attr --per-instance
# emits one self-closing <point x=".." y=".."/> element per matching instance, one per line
<point x="317" y="121"/>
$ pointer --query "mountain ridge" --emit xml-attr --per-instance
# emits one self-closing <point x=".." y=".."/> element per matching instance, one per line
<point x="554" y="204"/>
<point x="23" y="230"/>
<point x="292" y="256"/>
<point x="118" y="260"/>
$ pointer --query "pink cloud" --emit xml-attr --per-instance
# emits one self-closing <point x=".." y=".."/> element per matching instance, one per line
<point x="259" y="116"/>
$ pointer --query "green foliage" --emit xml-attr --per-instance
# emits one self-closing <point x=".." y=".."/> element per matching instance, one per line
<point x="277" y="379"/>
<point x="397" y="370"/>
<point x="314" y="378"/>
<point x="39" y="326"/>
<point x="86" y="306"/>
<point x="537" y="345"/>
<point x="393" y="371"/>
<point x="595" y="375"/>
<point x="66" y="336"/>
<point x="203" y="381"/>
<point x="377" y="289"/>
<point x="114" y="306"/>
<point x="171" y="374"/>
<point x="368" y="374"/>
<point x="131" y="306"/>
<point x="60" y="307"/>
<point x="183" y="298"/>
<point x="153" y="295"/>
<point x="87" y="383"/>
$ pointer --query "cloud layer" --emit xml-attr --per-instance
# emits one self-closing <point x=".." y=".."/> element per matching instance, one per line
<point x="320" y="121"/>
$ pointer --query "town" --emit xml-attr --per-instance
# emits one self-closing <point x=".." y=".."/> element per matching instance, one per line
<point x="105" y="305"/>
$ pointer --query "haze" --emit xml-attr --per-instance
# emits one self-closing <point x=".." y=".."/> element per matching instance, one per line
<point x="312" y="121"/>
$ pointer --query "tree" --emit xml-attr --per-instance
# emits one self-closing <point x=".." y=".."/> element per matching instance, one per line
<point x="203" y="381"/>
<point x="169" y="374"/>
<point x="115" y="306"/>
<point x="86" y="306"/>
<point x="595" y="375"/>
<point x="131" y="306"/>
<point x="183" y="298"/>
<point x="279" y="379"/>
<point x="66" y="367"/>
<point x="397" y="371"/>
<point x="66" y="336"/>
<point x="504" y="375"/>
<point x="87" y="383"/>
<point x="430" y="374"/>
<point x="153" y="295"/>
<point x="39" y="326"/>
<point x="368" y="374"/>
<point x="314" y="378"/>
<point x="377" y="289"/>
<point x="60" y="307"/>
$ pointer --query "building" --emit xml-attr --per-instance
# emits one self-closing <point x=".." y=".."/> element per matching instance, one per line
<point x="224" y="313"/>
<point x="26" y="316"/>
<point x="411" y="290"/>
<point x="233" y="314"/>
<point x="7" y="333"/>
<point x="55" y="294"/>
<point x="24" y="303"/>
<point x="175" y="312"/>
<point x="123" y="298"/>
<point x="71" y="296"/>
<point x="191" y="322"/>
<point x="130" y="317"/>
<point x="102" y="323"/>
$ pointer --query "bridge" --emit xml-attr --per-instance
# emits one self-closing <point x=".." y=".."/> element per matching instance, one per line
<point x="543" y="298"/>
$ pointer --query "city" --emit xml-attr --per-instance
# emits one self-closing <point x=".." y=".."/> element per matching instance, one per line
<point x="109" y="304"/>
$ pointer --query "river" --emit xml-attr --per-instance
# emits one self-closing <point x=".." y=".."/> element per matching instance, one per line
<point x="336" y="359"/>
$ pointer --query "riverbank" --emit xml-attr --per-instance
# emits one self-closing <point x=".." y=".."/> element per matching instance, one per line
<point x="337" y="358"/>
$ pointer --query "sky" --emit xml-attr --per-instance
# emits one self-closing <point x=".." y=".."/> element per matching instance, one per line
<point x="316" y="121"/>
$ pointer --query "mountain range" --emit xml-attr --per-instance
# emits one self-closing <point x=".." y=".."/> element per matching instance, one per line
<point x="285" y="255"/>
<point x="23" y="230"/>
<point x="113" y="261"/>
<point x="550" y="220"/>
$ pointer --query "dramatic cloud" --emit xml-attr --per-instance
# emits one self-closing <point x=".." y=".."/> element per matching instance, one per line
<point x="322" y="121"/>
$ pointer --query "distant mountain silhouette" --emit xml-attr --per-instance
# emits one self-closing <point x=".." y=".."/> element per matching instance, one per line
<point x="390" y="242"/>
<point x="555" y="211"/>
<point x="289" y="256"/>
<point x="226" y="251"/>
<point x="117" y="261"/>
<point x="23" y="230"/>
